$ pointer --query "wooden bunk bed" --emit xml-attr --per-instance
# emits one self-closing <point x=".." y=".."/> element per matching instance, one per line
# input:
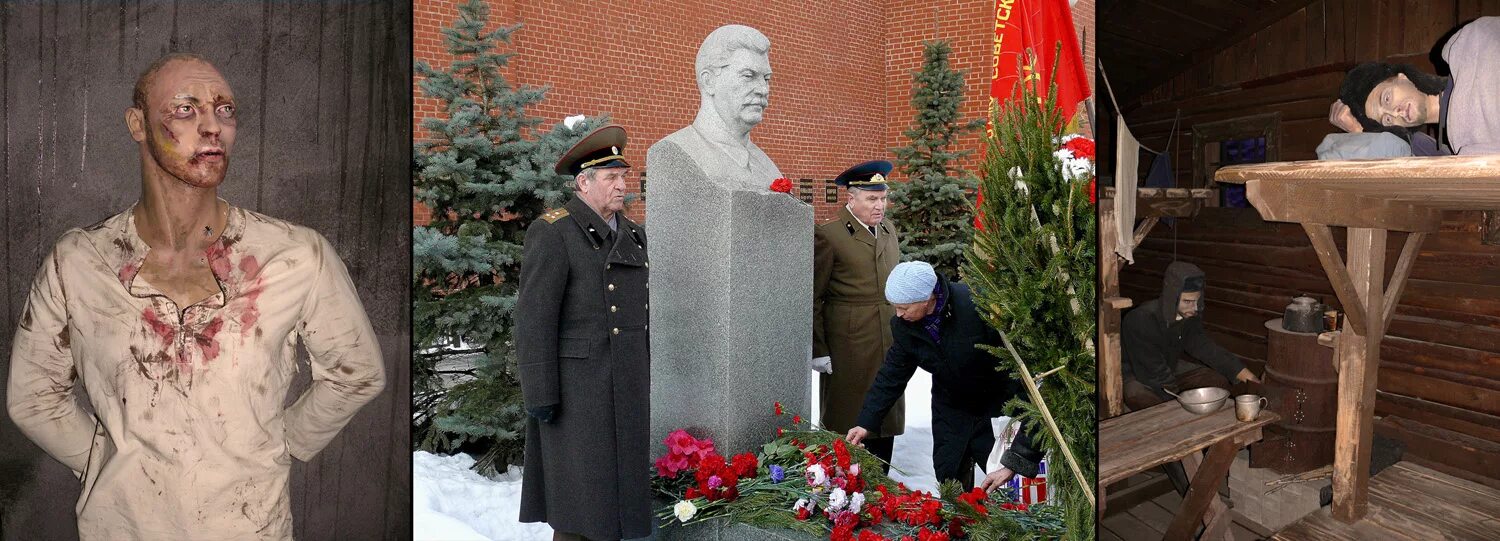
<point x="1372" y="198"/>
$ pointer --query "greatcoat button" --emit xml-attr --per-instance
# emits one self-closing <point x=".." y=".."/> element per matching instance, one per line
<point x="615" y="330"/>
<point x="614" y="309"/>
<point x="607" y="266"/>
<point x="611" y="287"/>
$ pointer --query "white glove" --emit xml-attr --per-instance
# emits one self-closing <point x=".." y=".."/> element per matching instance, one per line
<point x="822" y="364"/>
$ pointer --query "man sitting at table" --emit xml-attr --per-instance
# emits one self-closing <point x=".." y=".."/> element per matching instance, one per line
<point x="1155" y="335"/>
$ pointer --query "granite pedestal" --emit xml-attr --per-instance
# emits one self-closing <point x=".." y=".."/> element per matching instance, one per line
<point x="731" y="310"/>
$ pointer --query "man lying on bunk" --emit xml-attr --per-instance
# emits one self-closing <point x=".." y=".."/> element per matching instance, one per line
<point x="1395" y="98"/>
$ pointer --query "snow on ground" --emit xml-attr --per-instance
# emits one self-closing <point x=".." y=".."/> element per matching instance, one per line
<point x="911" y="460"/>
<point x="453" y="503"/>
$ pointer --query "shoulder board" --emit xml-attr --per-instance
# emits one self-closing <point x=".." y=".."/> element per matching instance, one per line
<point x="555" y="215"/>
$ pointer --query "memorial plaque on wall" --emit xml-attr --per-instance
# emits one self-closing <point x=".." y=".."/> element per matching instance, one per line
<point x="805" y="190"/>
<point x="643" y="185"/>
<point x="830" y="191"/>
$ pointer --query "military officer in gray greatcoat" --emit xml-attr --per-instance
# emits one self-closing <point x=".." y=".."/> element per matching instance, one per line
<point x="584" y="355"/>
<point x="852" y="255"/>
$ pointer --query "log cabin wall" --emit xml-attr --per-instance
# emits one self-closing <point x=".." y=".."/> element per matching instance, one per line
<point x="1439" y="379"/>
<point x="323" y="90"/>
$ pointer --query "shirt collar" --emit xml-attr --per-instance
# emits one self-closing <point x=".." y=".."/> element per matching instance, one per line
<point x="128" y="252"/>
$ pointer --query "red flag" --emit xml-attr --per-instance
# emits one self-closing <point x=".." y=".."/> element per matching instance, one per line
<point x="1038" y="25"/>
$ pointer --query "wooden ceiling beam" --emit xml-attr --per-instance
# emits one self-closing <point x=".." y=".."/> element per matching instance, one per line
<point x="1263" y="18"/>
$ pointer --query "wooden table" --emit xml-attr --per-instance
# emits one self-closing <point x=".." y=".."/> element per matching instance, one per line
<point x="1370" y="198"/>
<point x="1137" y="441"/>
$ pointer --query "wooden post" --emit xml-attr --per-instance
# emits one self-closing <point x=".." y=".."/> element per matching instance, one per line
<point x="1359" y="363"/>
<point x="1111" y="395"/>
<point x="1216" y="520"/>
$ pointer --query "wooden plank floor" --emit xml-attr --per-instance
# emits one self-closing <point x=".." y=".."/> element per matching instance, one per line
<point x="1148" y="520"/>
<point x="1411" y="502"/>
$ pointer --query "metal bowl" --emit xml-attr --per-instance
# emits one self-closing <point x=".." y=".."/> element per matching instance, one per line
<point x="1203" y="400"/>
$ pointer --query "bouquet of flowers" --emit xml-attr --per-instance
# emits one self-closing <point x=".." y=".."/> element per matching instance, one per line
<point x="810" y="480"/>
<point x="1076" y="153"/>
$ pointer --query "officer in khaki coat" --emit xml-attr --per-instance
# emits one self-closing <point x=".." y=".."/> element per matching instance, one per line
<point x="584" y="357"/>
<point x="852" y="256"/>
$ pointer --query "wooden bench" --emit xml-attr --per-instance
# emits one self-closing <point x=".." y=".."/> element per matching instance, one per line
<point x="1137" y="441"/>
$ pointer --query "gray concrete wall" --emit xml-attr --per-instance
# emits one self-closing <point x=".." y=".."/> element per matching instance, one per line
<point x="324" y="140"/>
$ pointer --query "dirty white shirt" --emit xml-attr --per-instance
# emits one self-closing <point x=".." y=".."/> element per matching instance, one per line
<point x="188" y="437"/>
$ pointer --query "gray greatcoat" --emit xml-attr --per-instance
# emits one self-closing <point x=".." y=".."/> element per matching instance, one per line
<point x="582" y="344"/>
<point x="851" y="318"/>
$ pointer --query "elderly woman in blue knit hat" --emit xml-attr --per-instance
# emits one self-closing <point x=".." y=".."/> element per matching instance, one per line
<point x="936" y="328"/>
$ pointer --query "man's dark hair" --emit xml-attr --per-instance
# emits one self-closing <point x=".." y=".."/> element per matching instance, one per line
<point x="1361" y="80"/>
<point x="143" y="83"/>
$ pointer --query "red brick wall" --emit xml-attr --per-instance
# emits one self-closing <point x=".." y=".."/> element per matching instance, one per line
<point x="840" y="93"/>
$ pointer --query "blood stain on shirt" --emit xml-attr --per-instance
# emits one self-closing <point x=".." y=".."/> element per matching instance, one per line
<point x="161" y="328"/>
<point x="207" y="341"/>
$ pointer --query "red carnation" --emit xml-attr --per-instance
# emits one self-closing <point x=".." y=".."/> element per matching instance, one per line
<point x="842" y="533"/>
<point x="975" y="498"/>
<point x="843" y="454"/>
<point x="783" y="185"/>
<point x="745" y="465"/>
<point x="929" y="535"/>
<point x="778" y="408"/>
<point x="803" y="513"/>
<point x="955" y="528"/>
<point x="1081" y="147"/>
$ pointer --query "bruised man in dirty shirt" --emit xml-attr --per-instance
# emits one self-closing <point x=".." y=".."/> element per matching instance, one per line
<point x="179" y="317"/>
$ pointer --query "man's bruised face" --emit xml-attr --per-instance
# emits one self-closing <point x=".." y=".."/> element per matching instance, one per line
<point x="189" y="121"/>
<point x="1187" y="304"/>
<point x="1398" y="102"/>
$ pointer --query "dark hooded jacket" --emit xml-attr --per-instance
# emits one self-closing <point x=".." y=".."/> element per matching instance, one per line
<point x="964" y="377"/>
<point x="1152" y="338"/>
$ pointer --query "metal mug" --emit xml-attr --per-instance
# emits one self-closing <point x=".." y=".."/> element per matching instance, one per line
<point x="1247" y="406"/>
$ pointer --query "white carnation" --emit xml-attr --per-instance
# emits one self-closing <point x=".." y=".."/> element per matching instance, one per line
<point x="684" y="510"/>
<point x="837" y="499"/>
<point x="816" y="476"/>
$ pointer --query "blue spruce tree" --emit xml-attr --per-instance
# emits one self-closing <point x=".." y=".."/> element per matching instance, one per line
<point x="933" y="207"/>
<point x="485" y="171"/>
